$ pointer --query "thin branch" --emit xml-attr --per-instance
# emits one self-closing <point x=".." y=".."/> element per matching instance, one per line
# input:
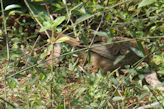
<point x="7" y="47"/>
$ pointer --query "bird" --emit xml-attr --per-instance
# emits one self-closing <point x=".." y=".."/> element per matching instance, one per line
<point x="106" y="56"/>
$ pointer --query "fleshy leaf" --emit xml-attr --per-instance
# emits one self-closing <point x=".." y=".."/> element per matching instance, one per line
<point x="83" y="18"/>
<point x="62" y="39"/>
<point x="100" y="33"/>
<point x="58" y="21"/>
<point x="12" y="7"/>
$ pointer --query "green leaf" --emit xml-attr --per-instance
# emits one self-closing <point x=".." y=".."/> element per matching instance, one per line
<point x="1" y="32"/>
<point x="97" y="6"/>
<point x="101" y="33"/>
<point x="46" y="25"/>
<point x="83" y="18"/>
<point x="82" y="10"/>
<point x="40" y="12"/>
<point x="118" y="59"/>
<point x="117" y="98"/>
<point x="62" y="39"/>
<point x="131" y="8"/>
<point x="59" y="30"/>
<point x="80" y="92"/>
<point x="12" y="7"/>
<point x="137" y="52"/>
<point x="12" y="82"/>
<point x="58" y="21"/>
<point x="71" y="67"/>
<point x="89" y="56"/>
<point x="75" y="7"/>
<point x="60" y="107"/>
<point x="145" y="3"/>
<point x="33" y="81"/>
<point x="15" y="12"/>
<point x="140" y="46"/>
<point x="44" y="54"/>
<point x="114" y="81"/>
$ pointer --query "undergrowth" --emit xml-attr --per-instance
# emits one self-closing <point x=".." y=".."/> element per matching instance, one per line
<point x="28" y="79"/>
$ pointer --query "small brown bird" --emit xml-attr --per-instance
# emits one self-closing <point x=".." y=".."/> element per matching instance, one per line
<point x="111" y="56"/>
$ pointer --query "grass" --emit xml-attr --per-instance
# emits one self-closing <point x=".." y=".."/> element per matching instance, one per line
<point x="28" y="81"/>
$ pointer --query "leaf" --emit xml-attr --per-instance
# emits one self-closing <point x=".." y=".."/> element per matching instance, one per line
<point x="59" y="30"/>
<point x="75" y="7"/>
<point x="40" y="12"/>
<point x="141" y="47"/>
<point x="137" y="52"/>
<point x="145" y="3"/>
<point x="12" y="82"/>
<point x="62" y="39"/>
<point x="89" y="56"/>
<point x="131" y="8"/>
<point x="46" y="52"/>
<point x="60" y="107"/>
<point x="71" y="67"/>
<point x="46" y="26"/>
<point x="15" y="12"/>
<point x="114" y="81"/>
<point x="31" y="82"/>
<point x="1" y="32"/>
<point x="82" y="10"/>
<point x="97" y="6"/>
<point x="80" y="92"/>
<point x="12" y="7"/>
<point x="83" y="18"/>
<point x="117" y="98"/>
<point x="118" y="59"/>
<point x="58" y="21"/>
<point x="100" y="33"/>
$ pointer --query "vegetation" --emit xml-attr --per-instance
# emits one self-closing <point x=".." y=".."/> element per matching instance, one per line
<point x="28" y="78"/>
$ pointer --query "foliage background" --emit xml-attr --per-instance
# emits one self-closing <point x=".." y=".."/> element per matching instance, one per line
<point x="26" y="79"/>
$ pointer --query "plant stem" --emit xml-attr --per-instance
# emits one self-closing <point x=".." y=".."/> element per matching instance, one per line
<point x="7" y="47"/>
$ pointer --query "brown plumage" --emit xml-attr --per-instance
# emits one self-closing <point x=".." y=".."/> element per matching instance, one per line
<point x="105" y="56"/>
